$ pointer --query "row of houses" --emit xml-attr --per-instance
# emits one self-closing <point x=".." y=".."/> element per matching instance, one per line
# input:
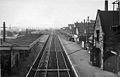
<point x="81" y="32"/>
<point x="101" y="37"/>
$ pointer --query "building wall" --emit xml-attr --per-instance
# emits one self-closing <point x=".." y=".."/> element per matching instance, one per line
<point x="14" y="57"/>
<point x="99" y="44"/>
<point x="71" y="28"/>
<point x="84" y="28"/>
<point x="79" y="27"/>
<point x="5" y="61"/>
<point x="77" y="32"/>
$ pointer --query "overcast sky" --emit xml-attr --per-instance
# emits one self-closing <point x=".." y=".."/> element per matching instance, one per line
<point x="48" y="13"/>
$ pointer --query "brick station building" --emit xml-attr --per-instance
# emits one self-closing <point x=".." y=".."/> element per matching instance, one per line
<point x="14" y="50"/>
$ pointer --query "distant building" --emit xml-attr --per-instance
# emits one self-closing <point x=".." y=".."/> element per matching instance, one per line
<point x="67" y="32"/>
<point x="71" y="28"/>
<point x="84" y="30"/>
<point x="66" y="29"/>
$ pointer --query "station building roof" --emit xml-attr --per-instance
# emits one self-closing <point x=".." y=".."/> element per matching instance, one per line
<point x="20" y="43"/>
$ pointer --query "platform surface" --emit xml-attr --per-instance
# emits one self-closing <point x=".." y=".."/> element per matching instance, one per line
<point x="81" y="61"/>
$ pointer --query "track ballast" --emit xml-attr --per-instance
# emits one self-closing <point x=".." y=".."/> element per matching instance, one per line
<point x="52" y="61"/>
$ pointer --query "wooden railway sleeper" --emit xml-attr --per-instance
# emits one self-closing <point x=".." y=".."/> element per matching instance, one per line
<point x="57" y="61"/>
<point x="45" y="75"/>
<point x="60" y="70"/>
<point x="40" y="61"/>
<point x="64" y="60"/>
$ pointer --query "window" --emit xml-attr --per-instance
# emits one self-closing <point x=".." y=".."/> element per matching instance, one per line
<point x="77" y="32"/>
<point x="116" y="28"/>
<point x="98" y="33"/>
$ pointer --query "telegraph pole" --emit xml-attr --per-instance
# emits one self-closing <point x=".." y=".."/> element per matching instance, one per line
<point x="85" y="34"/>
<point x="87" y="30"/>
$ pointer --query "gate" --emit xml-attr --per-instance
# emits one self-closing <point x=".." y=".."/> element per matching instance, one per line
<point x="111" y="62"/>
<point x="98" y="57"/>
<point x="95" y="57"/>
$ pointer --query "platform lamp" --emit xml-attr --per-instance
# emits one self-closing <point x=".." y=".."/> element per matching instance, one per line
<point x="85" y="35"/>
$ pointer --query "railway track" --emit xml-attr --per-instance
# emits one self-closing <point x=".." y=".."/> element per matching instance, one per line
<point x="52" y="61"/>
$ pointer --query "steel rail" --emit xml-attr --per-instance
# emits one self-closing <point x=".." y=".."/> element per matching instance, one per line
<point x="64" y="59"/>
<point x="50" y="55"/>
<point x="52" y="52"/>
<point x="40" y="63"/>
<point x="48" y="58"/>
<point x="57" y="57"/>
<point x="68" y="57"/>
<point x="45" y="50"/>
<point x="37" y="57"/>
<point x="42" y="58"/>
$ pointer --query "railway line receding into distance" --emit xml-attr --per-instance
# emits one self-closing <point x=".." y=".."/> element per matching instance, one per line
<point x="52" y="61"/>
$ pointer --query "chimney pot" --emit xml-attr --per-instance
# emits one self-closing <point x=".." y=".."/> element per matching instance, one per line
<point x="119" y="11"/>
<point x="4" y="32"/>
<point x="106" y="5"/>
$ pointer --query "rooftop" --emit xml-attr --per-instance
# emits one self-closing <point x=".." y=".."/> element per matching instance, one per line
<point x="108" y="19"/>
<point x="21" y="41"/>
<point x="24" y="40"/>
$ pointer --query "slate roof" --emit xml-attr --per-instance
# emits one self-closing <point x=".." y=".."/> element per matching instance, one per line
<point x="72" y="28"/>
<point x="80" y="27"/>
<point x="87" y="26"/>
<point x="24" y="40"/>
<point x="108" y="19"/>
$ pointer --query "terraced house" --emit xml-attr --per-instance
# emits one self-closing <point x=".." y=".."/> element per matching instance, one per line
<point x="72" y="28"/>
<point x="84" y="31"/>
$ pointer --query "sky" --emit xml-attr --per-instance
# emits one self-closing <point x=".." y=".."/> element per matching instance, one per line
<point x="48" y="13"/>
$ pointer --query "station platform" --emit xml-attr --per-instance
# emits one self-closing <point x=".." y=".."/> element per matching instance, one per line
<point x="80" y="59"/>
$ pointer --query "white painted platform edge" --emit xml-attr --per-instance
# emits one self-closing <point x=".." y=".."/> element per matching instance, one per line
<point x="68" y="57"/>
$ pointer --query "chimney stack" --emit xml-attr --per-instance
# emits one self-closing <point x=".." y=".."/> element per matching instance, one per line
<point x="119" y="11"/>
<point x="4" y="32"/>
<point x="106" y="5"/>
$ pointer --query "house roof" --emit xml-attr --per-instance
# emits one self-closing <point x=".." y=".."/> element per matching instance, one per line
<point x="71" y="25"/>
<point x="82" y="27"/>
<point x="24" y="40"/>
<point x="108" y="19"/>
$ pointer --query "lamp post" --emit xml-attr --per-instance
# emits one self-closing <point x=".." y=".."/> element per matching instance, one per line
<point x="87" y="30"/>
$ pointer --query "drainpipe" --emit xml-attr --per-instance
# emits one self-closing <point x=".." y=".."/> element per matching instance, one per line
<point x="119" y="11"/>
<point x="85" y="34"/>
<point x="102" y="58"/>
<point x="118" y="58"/>
<point x="102" y="52"/>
